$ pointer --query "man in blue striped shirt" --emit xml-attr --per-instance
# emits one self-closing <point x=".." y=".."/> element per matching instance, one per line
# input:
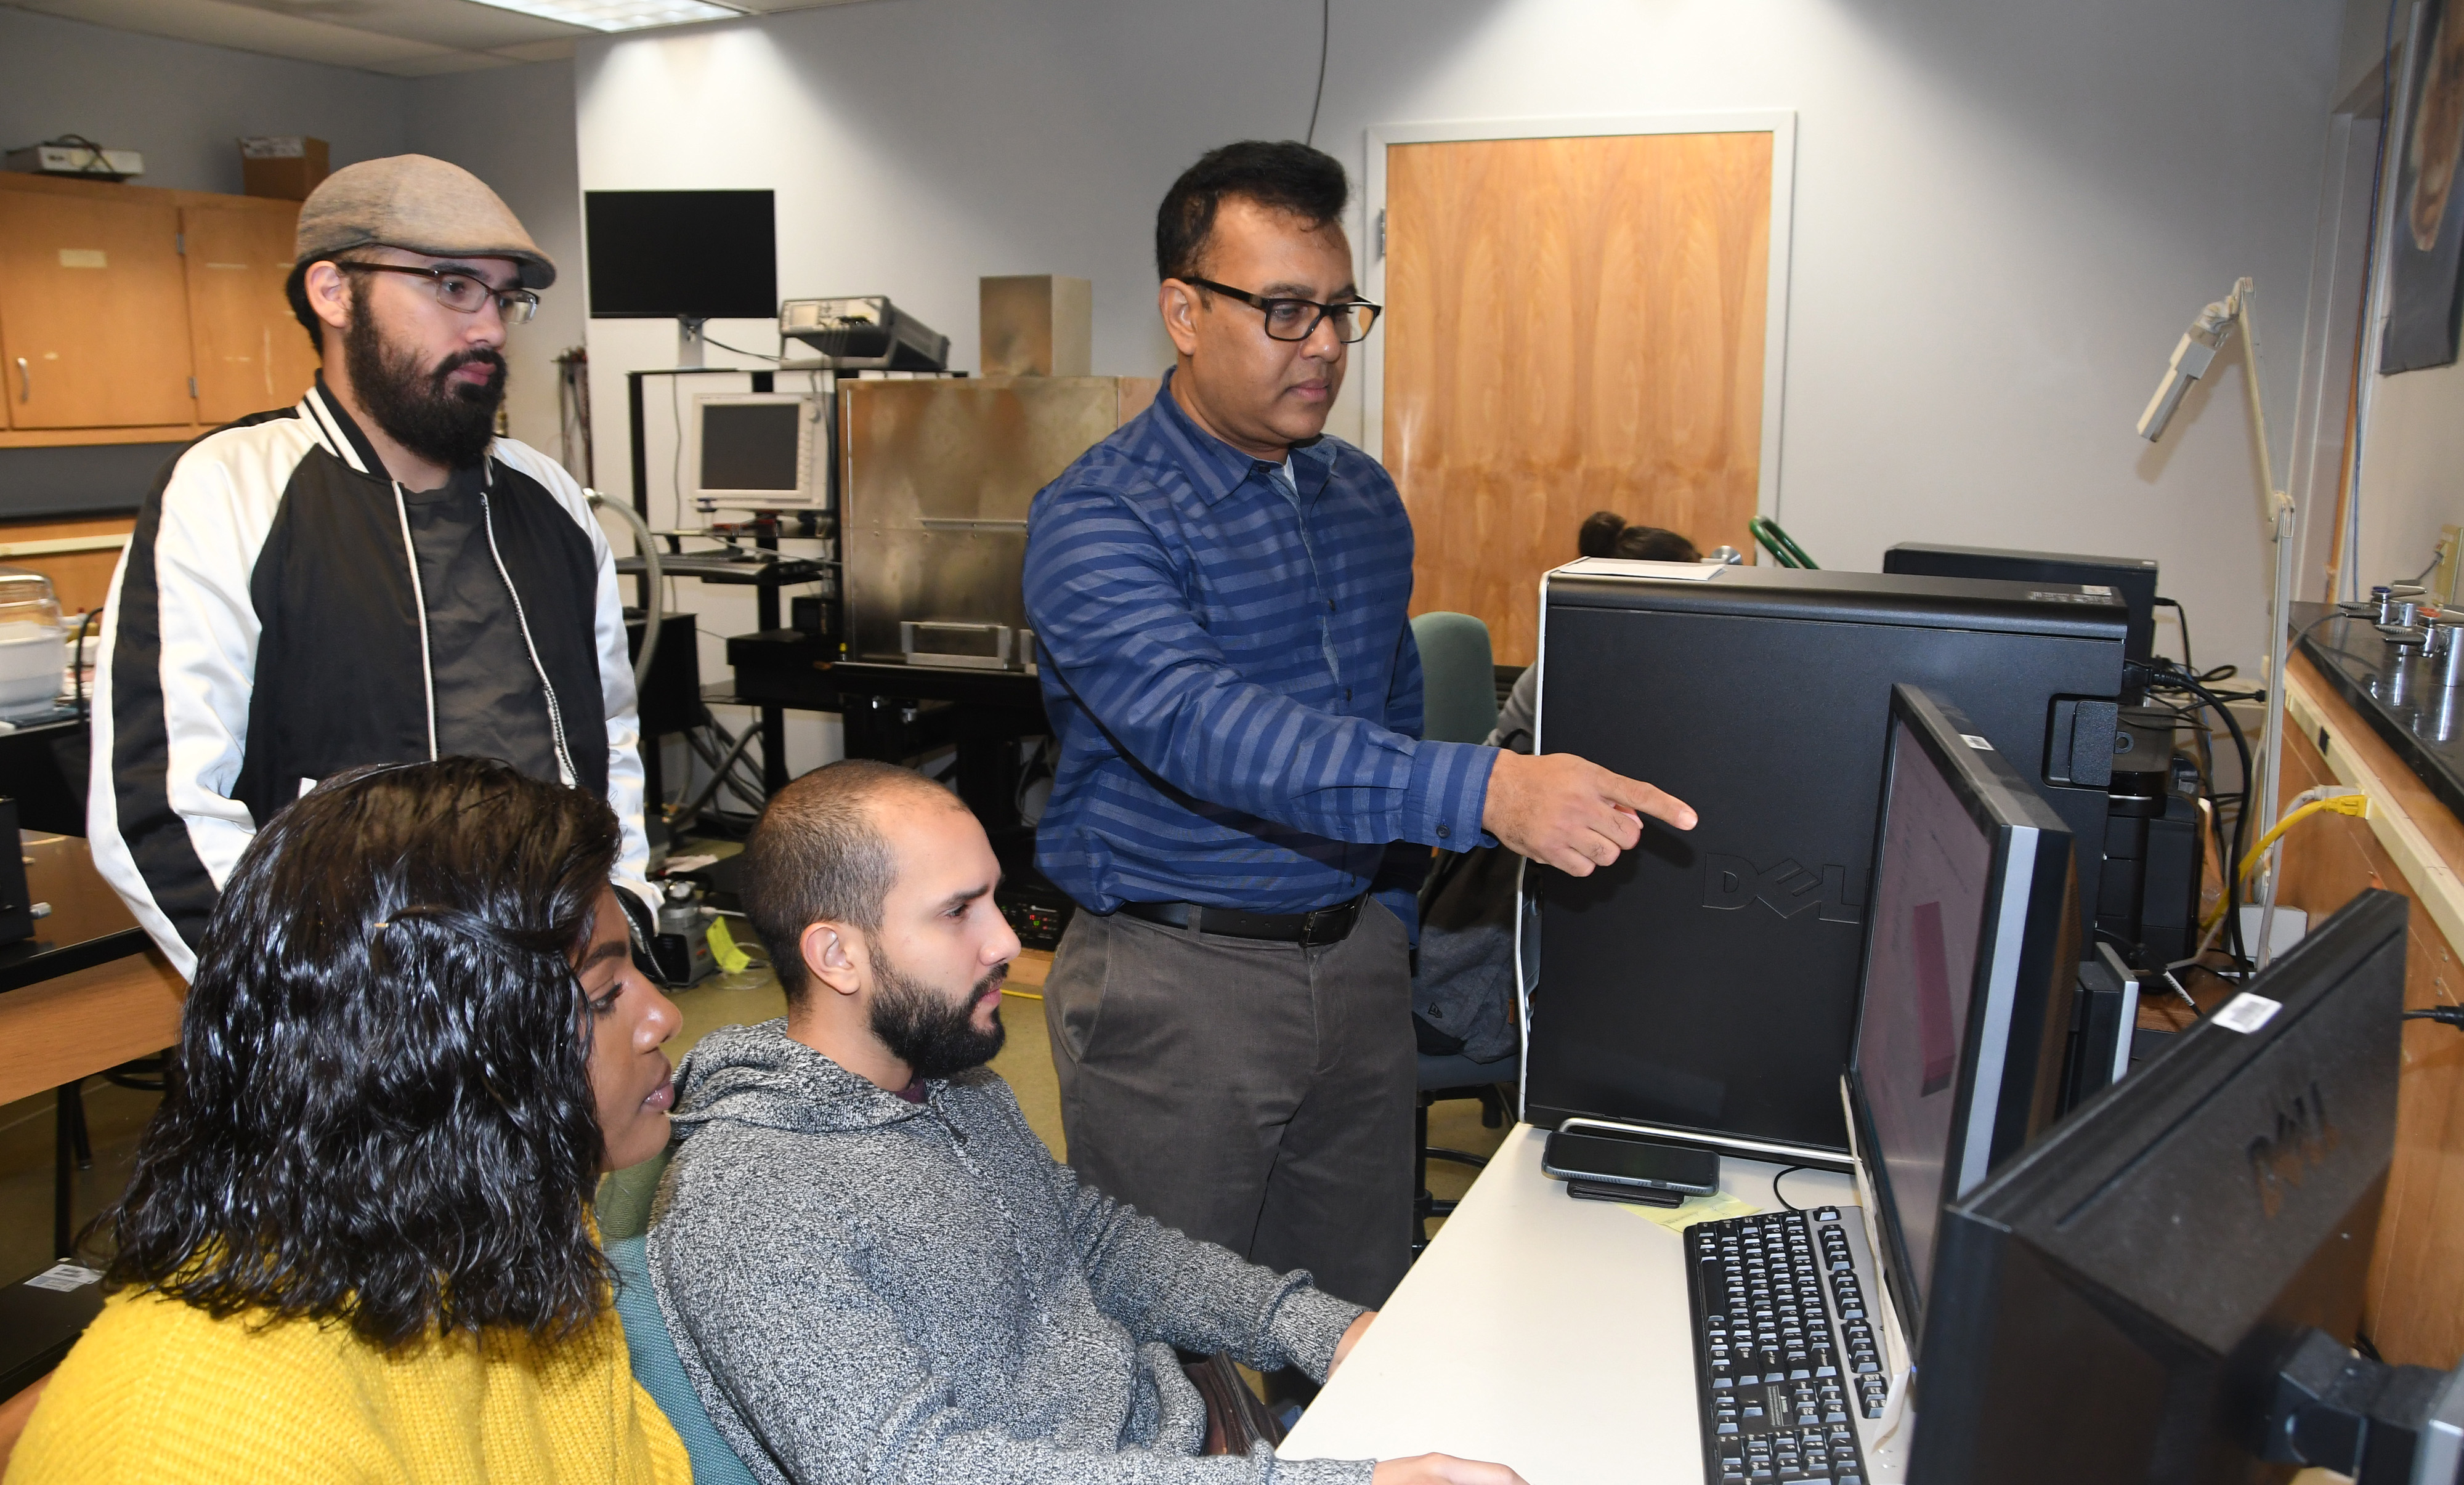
<point x="1243" y="805"/>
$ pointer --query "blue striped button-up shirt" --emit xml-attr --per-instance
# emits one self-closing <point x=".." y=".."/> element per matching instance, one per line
<point x="1231" y="678"/>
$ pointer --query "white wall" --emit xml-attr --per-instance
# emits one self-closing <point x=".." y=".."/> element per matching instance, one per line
<point x="2005" y="214"/>
<point x="183" y="106"/>
<point x="187" y="105"/>
<point x="513" y="129"/>
<point x="2413" y="472"/>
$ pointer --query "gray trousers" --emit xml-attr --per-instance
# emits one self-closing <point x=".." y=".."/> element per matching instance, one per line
<point x="1256" y="1095"/>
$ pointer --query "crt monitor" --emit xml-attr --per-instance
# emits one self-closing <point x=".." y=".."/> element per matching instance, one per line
<point x="759" y="450"/>
<point x="2114" y="1305"/>
<point x="1963" y="1020"/>
<point x="682" y="254"/>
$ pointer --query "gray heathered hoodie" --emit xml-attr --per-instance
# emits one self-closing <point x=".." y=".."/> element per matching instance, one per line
<point x="866" y="1289"/>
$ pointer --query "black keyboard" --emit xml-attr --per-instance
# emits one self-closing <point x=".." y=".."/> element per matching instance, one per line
<point x="1778" y="1381"/>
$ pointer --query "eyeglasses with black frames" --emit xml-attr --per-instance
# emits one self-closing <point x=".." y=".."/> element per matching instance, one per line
<point x="461" y="290"/>
<point x="1297" y="319"/>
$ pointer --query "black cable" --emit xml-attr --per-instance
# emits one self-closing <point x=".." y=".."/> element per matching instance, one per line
<point x="2182" y="616"/>
<point x="2445" y="1016"/>
<point x="740" y="351"/>
<point x="1324" y="28"/>
<point x="1776" y="1177"/>
<point x="2241" y="815"/>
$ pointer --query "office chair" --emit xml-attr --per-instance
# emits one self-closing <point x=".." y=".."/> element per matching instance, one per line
<point x="1458" y="681"/>
<point x="623" y="1210"/>
<point x="1459" y="692"/>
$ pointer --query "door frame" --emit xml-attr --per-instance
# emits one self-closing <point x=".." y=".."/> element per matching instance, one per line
<point x="1779" y="124"/>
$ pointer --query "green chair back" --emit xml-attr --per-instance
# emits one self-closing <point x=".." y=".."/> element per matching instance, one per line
<point x="624" y="1206"/>
<point x="1458" y="678"/>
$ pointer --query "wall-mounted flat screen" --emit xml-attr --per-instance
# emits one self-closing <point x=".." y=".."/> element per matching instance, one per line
<point x="682" y="254"/>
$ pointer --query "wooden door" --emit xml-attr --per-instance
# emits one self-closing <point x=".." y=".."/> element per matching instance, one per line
<point x="94" y="313"/>
<point x="250" y="353"/>
<point x="1573" y="325"/>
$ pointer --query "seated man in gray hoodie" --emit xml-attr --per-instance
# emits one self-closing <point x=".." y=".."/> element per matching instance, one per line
<point x="872" y="1268"/>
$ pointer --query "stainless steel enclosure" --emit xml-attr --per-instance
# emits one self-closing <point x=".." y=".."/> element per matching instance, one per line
<point x="936" y="481"/>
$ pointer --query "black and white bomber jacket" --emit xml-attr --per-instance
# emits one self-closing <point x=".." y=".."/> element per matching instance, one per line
<point x="265" y="631"/>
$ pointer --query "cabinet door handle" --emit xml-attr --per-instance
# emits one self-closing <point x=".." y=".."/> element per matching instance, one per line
<point x="24" y="382"/>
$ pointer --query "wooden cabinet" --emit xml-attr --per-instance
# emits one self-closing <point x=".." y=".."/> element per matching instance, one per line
<point x="248" y="352"/>
<point x="93" y="313"/>
<point x="111" y="333"/>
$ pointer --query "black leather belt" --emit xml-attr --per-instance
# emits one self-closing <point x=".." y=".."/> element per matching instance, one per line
<point x="1308" y="929"/>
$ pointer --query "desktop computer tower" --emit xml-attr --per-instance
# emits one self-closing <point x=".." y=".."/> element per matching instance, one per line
<point x="1707" y="982"/>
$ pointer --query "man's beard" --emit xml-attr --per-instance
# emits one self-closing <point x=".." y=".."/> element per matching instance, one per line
<point x="443" y="421"/>
<point x="923" y="1029"/>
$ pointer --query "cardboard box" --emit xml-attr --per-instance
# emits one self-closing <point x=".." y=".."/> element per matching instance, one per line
<point x="284" y="166"/>
<point x="1037" y="325"/>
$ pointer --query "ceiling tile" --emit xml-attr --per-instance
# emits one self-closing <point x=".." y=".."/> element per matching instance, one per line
<point x="773" y="6"/>
<point x="539" y="52"/>
<point x="243" y="28"/>
<point x="449" y="62"/>
<point x="461" y="24"/>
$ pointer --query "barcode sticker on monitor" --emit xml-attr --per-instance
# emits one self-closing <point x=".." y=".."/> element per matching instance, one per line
<point x="1976" y="742"/>
<point x="2247" y="1013"/>
<point x="63" y="1278"/>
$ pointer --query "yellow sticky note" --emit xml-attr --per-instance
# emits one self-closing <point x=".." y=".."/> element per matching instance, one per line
<point x="722" y="947"/>
<point x="1696" y="1209"/>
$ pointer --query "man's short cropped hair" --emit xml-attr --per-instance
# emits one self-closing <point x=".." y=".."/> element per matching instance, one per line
<point x="819" y="854"/>
<point x="1283" y="176"/>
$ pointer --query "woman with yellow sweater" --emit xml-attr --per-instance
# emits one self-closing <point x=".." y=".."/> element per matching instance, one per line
<point x="357" y="1243"/>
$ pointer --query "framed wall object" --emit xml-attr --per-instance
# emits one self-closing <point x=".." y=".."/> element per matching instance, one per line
<point x="2426" y="237"/>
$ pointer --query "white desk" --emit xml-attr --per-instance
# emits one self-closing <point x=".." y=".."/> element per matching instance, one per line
<point x="1544" y="1333"/>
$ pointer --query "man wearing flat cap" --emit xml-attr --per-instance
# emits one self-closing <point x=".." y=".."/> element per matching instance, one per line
<point x="370" y="576"/>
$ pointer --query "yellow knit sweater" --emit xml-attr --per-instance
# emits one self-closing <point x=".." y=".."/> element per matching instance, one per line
<point x="158" y="1390"/>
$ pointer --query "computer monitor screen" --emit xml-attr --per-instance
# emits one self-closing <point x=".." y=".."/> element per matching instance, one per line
<point x="2113" y="1304"/>
<point x="760" y="450"/>
<point x="1929" y="923"/>
<point x="682" y="254"/>
<point x="1959" y="1028"/>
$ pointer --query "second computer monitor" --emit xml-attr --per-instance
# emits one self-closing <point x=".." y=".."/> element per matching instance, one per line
<point x="1960" y="1030"/>
<point x="2115" y="1302"/>
<point x="759" y="450"/>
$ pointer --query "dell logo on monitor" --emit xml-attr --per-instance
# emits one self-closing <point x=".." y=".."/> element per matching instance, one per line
<point x="1732" y="882"/>
<point x="2303" y="1138"/>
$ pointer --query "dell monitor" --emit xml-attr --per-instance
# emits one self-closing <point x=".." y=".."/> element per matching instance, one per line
<point x="759" y="450"/>
<point x="687" y="255"/>
<point x="1971" y="947"/>
<point x="2116" y="1303"/>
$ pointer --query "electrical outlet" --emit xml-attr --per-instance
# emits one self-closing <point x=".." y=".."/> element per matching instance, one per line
<point x="2451" y="541"/>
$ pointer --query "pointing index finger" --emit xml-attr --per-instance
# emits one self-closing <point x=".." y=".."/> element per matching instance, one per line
<point x="1633" y="793"/>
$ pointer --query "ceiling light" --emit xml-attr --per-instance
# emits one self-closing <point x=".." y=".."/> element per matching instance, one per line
<point x="619" y="14"/>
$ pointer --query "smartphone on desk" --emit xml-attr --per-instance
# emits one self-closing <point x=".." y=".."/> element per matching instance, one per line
<point x="1580" y="1149"/>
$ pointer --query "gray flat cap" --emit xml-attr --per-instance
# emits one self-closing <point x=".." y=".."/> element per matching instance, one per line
<point x="421" y="205"/>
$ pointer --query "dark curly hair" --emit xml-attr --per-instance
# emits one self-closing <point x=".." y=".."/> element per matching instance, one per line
<point x="380" y="1113"/>
<point x="1288" y="177"/>
<point x="1598" y="535"/>
<point x="1653" y="544"/>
